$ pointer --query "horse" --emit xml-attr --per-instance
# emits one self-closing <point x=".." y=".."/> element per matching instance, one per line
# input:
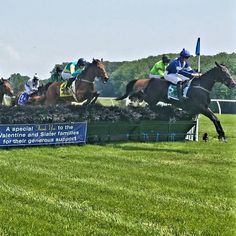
<point x="155" y="90"/>
<point x="35" y="98"/>
<point x="5" y="88"/>
<point x="38" y="97"/>
<point x="84" y="90"/>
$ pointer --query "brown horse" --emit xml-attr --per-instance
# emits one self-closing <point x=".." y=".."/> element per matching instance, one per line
<point x="38" y="98"/>
<point x="84" y="85"/>
<point x="198" y="101"/>
<point x="5" y="88"/>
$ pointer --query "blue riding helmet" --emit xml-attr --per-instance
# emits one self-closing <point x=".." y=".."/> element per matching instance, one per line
<point x="185" y="53"/>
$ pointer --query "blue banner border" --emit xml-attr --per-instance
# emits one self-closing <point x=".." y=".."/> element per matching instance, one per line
<point x="47" y="144"/>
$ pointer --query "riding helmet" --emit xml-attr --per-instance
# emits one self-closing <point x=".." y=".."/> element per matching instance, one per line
<point x="81" y="62"/>
<point x="36" y="77"/>
<point x="165" y="59"/>
<point x="185" y="53"/>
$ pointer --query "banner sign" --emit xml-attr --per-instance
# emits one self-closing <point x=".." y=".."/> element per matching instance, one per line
<point x="42" y="134"/>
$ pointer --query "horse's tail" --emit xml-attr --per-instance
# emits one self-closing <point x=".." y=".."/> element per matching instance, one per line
<point x="129" y="90"/>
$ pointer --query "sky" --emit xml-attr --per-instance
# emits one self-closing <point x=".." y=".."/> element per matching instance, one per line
<point x="37" y="34"/>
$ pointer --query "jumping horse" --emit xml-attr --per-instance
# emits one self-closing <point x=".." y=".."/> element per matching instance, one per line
<point x="35" y="98"/>
<point x="84" y="89"/>
<point x="198" y="94"/>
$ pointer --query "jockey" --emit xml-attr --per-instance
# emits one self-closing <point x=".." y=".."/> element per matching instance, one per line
<point x="72" y="70"/>
<point x="56" y="75"/>
<point x="159" y="68"/>
<point x="32" y="84"/>
<point x="179" y="70"/>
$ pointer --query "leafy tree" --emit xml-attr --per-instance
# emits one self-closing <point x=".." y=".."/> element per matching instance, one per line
<point x="18" y="81"/>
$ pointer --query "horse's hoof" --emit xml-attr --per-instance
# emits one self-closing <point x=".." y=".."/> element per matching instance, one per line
<point x="223" y="139"/>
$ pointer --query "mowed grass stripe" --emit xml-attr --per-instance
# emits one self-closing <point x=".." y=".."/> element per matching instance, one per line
<point x="144" y="177"/>
<point x="85" y="209"/>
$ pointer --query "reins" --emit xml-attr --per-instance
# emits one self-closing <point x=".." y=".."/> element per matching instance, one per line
<point x="198" y="86"/>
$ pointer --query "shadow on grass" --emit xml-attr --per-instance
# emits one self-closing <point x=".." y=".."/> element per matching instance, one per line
<point x="150" y="149"/>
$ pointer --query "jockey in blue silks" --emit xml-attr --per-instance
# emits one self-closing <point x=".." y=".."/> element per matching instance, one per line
<point x="179" y="70"/>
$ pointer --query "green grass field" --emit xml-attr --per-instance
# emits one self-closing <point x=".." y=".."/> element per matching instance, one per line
<point x="175" y="188"/>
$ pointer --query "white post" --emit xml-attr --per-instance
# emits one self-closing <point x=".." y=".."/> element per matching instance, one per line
<point x="219" y="108"/>
<point x="198" y="64"/>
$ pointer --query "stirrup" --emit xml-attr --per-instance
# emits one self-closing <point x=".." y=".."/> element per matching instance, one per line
<point x="183" y="99"/>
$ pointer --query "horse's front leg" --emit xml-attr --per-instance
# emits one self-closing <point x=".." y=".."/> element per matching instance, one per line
<point x="95" y="97"/>
<point x="91" y="98"/>
<point x="87" y="98"/>
<point x="208" y="113"/>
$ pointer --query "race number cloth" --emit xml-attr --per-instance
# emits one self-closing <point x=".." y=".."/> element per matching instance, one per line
<point x="62" y="87"/>
<point x="23" y="98"/>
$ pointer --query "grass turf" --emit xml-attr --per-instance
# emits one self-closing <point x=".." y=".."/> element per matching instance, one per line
<point x="177" y="188"/>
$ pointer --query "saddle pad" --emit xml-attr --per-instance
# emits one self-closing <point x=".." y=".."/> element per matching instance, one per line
<point x="23" y="98"/>
<point x="62" y="93"/>
<point x="172" y="92"/>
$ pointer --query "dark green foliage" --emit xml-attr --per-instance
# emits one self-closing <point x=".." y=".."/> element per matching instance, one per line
<point x="120" y="73"/>
<point x="18" y="81"/>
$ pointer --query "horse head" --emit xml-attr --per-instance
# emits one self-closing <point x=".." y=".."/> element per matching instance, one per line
<point x="5" y="87"/>
<point x="100" y="70"/>
<point x="224" y="76"/>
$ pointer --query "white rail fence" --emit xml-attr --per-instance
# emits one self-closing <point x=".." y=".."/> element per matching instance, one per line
<point x="127" y="101"/>
<point x="218" y="101"/>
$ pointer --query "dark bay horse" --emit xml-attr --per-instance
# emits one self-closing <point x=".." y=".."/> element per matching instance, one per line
<point x="84" y="85"/>
<point x="198" y="101"/>
<point x="5" y="88"/>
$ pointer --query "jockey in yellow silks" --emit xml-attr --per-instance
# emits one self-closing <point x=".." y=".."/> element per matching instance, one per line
<point x="72" y="70"/>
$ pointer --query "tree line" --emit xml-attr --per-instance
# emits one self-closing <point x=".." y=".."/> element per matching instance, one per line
<point x="120" y="73"/>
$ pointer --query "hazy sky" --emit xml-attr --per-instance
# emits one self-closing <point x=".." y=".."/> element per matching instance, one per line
<point x="37" y="34"/>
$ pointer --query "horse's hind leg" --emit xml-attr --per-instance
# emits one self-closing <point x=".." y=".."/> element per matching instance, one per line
<point x="129" y="90"/>
<point x="208" y="113"/>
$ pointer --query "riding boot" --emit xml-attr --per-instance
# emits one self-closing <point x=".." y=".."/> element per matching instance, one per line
<point x="68" y="84"/>
<point x="179" y="91"/>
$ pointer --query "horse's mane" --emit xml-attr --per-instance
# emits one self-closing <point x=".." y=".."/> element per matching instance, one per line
<point x="214" y="68"/>
<point x="205" y="75"/>
<point x="95" y="61"/>
<point x="209" y="71"/>
<point x="80" y="76"/>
